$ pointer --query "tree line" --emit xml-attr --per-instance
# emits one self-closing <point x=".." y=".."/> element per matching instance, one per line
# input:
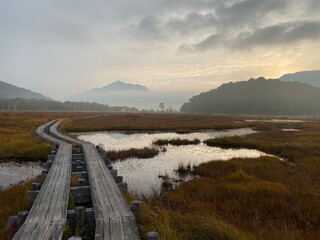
<point x="257" y="96"/>
<point x="50" y="105"/>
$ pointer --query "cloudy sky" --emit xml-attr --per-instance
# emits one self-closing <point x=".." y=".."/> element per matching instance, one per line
<point x="64" y="47"/>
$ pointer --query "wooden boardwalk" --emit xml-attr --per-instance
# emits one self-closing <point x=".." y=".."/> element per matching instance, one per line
<point x="54" y="130"/>
<point x="47" y="216"/>
<point x="114" y="219"/>
<point x="41" y="132"/>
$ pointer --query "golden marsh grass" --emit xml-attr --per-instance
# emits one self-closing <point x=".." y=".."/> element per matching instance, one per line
<point x="262" y="198"/>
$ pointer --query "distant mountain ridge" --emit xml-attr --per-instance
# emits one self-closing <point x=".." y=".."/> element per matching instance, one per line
<point x="9" y="91"/>
<point x="257" y="96"/>
<point x="135" y="95"/>
<point x="115" y="93"/>
<point x="121" y="86"/>
<point x="310" y="77"/>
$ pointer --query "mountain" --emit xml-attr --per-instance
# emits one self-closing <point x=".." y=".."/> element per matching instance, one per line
<point x="310" y="77"/>
<point x="8" y="91"/>
<point x="125" y="94"/>
<point x="258" y="96"/>
<point x="120" y="86"/>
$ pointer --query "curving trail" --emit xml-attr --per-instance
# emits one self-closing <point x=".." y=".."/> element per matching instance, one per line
<point x="47" y="216"/>
<point x="114" y="219"/>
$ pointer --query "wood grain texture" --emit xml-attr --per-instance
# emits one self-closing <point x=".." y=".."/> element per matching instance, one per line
<point x="47" y="216"/>
<point x="54" y="130"/>
<point x="114" y="219"/>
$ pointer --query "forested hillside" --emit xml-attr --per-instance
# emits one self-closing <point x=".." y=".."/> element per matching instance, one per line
<point x="257" y="96"/>
<point x="9" y="91"/>
<point x="48" y="105"/>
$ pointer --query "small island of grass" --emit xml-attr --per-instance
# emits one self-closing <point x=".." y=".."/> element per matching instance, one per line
<point x="132" y="153"/>
<point x="176" y="142"/>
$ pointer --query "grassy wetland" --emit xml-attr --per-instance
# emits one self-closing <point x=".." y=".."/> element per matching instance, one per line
<point x="263" y="198"/>
<point x="180" y="123"/>
<point x="13" y="200"/>
<point x="133" y="153"/>
<point x="176" y="142"/>
<point x="17" y="138"/>
<point x="19" y="143"/>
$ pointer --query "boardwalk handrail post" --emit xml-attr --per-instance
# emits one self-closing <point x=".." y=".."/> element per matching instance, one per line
<point x="153" y="235"/>
<point x="136" y="206"/>
<point x="75" y="238"/>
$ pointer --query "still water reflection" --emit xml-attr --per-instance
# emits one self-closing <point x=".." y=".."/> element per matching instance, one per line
<point x="12" y="173"/>
<point x="142" y="174"/>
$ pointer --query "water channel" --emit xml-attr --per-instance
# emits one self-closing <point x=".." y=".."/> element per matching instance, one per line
<point x="12" y="173"/>
<point x="142" y="174"/>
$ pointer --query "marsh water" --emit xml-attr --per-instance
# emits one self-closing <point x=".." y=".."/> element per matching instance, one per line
<point x="12" y="173"/>
<point x="142" y="174"/>
<point x="276" y="120"/>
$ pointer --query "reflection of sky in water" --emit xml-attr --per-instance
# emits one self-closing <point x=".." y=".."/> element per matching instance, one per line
<point x="142" y="174"/>
<point x="275" y="120"/>
<point x="291" y="130"/>
<point x="121" y="141"/>
<point x="12" y="173"/>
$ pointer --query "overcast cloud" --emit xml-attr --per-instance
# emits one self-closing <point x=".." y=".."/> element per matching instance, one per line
<point x="61" y="48"/>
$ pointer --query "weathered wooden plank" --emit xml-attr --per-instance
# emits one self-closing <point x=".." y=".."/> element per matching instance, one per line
<point x="47" y="216"/>
<point x="114" y="219"/>
<point x="40" y="131"/>
<point x="54" y="130"/>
